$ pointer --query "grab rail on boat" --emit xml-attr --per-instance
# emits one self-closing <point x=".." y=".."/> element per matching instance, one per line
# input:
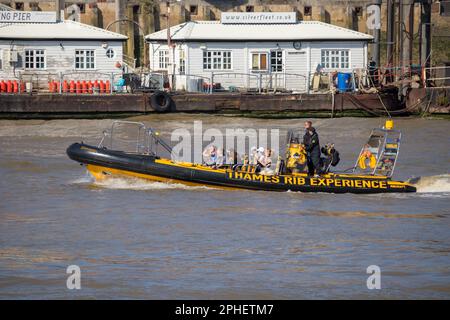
<point x="146" y="138"/>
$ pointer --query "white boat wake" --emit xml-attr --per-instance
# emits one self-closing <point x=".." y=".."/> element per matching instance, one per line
<point x="130" y="183"/>
<point x="432" y="184"/>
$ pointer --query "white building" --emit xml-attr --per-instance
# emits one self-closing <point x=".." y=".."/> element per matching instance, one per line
<point x="34" y="46"/>
<point x="247" y="49"/>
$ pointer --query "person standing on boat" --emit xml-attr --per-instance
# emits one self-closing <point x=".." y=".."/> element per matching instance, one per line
<point x="312" y="146"/>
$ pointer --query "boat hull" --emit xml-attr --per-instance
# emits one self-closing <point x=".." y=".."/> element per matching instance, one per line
<point x="103" y="163"/>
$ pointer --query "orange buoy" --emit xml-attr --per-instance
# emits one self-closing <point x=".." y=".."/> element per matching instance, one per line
<point x="90" y="86"/>
<point x="84" y="86"/>
<point x="108" y="86"/>
<point x="50" y="86"/>
<point x="56" y="86"/>
<point x="3" y="86"/>
<point x="15" y="86"/>
<point x="102" y="86"/>
<point x="65" y="86"/>
<point x="22" y="87"/>
<point x="9" y="86"/>
<point x="78" y="86"/>
<point x="72" y="86"/>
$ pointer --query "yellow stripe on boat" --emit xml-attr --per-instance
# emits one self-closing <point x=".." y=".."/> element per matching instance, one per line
<point x="101" y="173"/>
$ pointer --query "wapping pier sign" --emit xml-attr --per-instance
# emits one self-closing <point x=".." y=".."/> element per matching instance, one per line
<point x="27" y="16"/>
<point x="258" y="17"/>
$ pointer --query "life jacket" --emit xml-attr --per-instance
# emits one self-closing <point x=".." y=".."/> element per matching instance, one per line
<point x="367" y="155"/>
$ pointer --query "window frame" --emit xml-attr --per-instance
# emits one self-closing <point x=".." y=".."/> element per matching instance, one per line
<point x="260" y="54"/>
<point x="34" y="56"/>
<point x="276" y="58"/>
<point x="163" y="60"/>
<point x="1" y="59"/>
<point x="94" y="62"/>
<point x="113" y="53"/>
<point x="335" y="54"/>
<point x="182" y="62"/>
<point x="217" y="60"/>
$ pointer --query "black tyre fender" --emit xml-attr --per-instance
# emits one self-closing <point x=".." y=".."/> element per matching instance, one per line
<point x="160" y="101"/>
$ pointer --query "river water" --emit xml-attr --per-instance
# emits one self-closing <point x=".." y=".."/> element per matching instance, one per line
<point x="139" y="240"/>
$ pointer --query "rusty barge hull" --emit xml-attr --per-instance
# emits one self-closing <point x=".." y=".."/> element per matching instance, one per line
<point x="89" y="106"/>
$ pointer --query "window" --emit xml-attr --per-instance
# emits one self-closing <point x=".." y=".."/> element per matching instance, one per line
<point x="259" y="61"/>
<point x="1" y="59"/>
<point x="193" y="10"/>
<point x="249" y="9"/>
<point x="307" y="11"/>
<point x="358" y="11"/>
<point x="84" y="59"/>
<point x="19" y="6"/>
<point x="217" y="60"/>
<point x="335" y="59"/>
<point x="35" y="59"/>
<point x="110" y="53"/>
<point x="182" y="62"/>
<point x="34" y="6"/>
<point x="276" y="61"/>
<point x="82" y="7"/>
<point x="163" y="59"/>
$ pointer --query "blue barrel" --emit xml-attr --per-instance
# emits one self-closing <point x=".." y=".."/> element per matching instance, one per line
<point x="344" y="81"/>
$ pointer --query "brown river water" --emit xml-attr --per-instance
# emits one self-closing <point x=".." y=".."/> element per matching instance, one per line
<point x="134" y="239"/>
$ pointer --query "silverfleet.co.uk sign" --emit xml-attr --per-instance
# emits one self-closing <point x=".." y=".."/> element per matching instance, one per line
<point x="258" y="17"/>
<point x="27" y="16"/>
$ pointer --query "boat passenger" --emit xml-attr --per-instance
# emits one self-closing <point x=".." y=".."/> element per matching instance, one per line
<point x="231" y="157"/>
<point x="312" y="146"/>
<point x="210" y="155"/>
<point x="265" y="162"/>
<point x="221" y="159"/>
<point x="253" y="155"/>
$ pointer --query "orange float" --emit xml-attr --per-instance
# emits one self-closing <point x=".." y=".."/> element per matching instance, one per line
<point x="84" y="86"/>
<point x="15" y="86"/>
<point x="72" y="86"/>
<point x="65" y="88"/>
<point x="102" y="86"/>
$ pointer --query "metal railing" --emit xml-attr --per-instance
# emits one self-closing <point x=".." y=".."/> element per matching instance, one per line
<point x="145" y="140"/>
<point x="439" y="76"/>
<point x="240" y="81"/>
<point x="39" y="82"/>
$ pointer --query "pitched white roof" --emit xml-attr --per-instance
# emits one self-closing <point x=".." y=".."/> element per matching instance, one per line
<point x="64" y="30"/>
<point x="216" y="31"/>
<point x="4" y="7"/>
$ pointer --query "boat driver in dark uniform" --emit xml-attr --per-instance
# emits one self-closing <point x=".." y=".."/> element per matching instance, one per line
<point x="312" y="147"/>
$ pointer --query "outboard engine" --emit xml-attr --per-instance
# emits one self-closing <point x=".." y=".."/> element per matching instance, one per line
<point x="295" y="154"/>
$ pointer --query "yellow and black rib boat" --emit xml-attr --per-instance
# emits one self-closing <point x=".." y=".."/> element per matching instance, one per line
<point x="371" y="174"/>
